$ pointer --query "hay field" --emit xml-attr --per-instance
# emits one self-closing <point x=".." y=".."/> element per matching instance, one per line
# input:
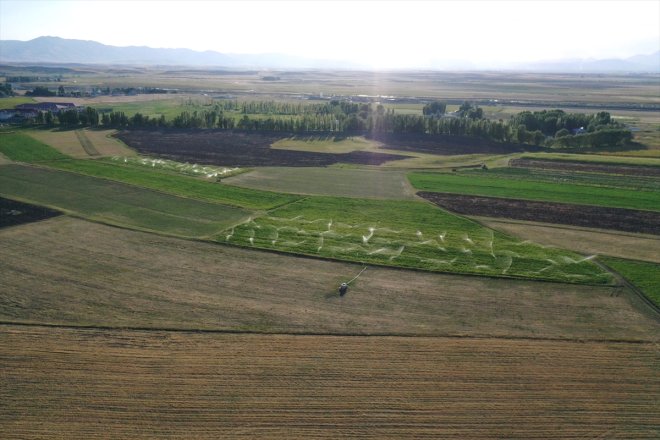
<point x="343" y="182"/>
<point x="583" y="240"/>
<point x="326" y="144"/>
<point x="97" y="384"/>
<point x="65" y="142"/>
<point x="69" y="142"/>
<point x="73" y="272"/>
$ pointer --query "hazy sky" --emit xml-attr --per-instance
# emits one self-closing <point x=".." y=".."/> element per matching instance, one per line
<point x="377" y="33"/>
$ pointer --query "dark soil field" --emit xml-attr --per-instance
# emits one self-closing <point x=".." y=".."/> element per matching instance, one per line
<point x="448" y="145"/>
<point x="16" y="213"/>
<point x="232" y="148"/>
<point x="628" y="170"/>
<point x="629" y="220"/>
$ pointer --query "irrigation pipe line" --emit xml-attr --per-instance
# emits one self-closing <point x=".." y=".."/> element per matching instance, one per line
<point x="356" y="276"/>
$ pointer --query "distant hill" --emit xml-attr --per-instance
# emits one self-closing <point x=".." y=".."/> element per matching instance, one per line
<point x="637" y="63"/>
<point x="60" y="50"/>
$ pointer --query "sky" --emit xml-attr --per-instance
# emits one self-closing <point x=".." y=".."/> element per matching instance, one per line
<point x="399" y="34"/>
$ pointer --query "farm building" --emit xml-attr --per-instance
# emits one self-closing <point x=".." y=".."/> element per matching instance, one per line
<point x="54" y="107"/>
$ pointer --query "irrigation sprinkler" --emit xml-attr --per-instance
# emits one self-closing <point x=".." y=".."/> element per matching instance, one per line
<point x="343" y="288"/>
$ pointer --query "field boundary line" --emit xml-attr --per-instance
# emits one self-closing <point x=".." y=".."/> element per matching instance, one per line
<point x="631" y="287"/>
<point x="322" y="334"/>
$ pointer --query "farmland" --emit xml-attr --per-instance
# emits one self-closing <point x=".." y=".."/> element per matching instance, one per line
<point x="16" y="213"/>
<point x="644" y="275"/>
<point x="483" y="184"/>
<point x="186" y="283"/>
<point x="116" y="203"/>
<point x="349" y="182"/>
<point x="582" y="240"/>
<point x="630" y="220"/>
<point x="68" y="142"/>
<point x="238" y="149"/>
<point x="405" y="234"/>
<point x="247" y="386"/>
<point x="104" y="276"/>
<point x="142" y="173"/>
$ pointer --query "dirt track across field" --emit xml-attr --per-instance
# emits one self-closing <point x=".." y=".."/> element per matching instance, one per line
<point x="629" y="220"/>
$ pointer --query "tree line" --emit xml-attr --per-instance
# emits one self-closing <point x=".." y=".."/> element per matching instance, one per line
<point x="553" y="128"/>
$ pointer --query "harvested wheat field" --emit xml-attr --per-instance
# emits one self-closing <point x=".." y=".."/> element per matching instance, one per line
<point x="72" y="272"/>
<point x="66" y="383"/>
<point x="83" y="143"/>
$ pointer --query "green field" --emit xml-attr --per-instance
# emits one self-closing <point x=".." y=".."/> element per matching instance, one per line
<point x="176" y="184"/>
<point x="602" y="180"/>
<point x="593" y="158"/>
<point x="13" y="101"/>
<point x="22" y="148"/>
<point x="116" y="203"/>
<point x="344" y="182"/>
<point x="644" y="275"/>
<point x="406" y="234"/>
<point x="483" y="185"/>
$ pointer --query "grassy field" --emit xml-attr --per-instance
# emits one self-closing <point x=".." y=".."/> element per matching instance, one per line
<point x="100" y="275"/>
<point x="348" y="182"/>
<point x="406" y="234"/>
<point x="593" y="158"/>
<point x="569" y="177"/>
<point x="582" y="240"/>
<point x="116" y="203"/>
<point x="176" y="184"/>
<point x="493" y="186"/>
<point x="13" y="101"/>
<point x="128" y="384"/>
<point x="644" y="275"/>
<point x="21" y="147"/>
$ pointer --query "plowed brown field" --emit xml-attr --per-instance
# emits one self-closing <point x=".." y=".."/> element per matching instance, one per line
<point x="64" y="383"/>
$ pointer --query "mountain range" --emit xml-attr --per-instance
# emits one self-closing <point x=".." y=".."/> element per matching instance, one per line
<point x="60" y="50"/>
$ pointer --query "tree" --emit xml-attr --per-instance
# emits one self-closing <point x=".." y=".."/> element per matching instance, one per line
<point x="435" y="108"/>
<point x="40" y="91"/>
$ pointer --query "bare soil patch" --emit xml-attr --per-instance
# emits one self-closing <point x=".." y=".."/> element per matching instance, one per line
<point x="97" y="384"/>
<point x="629" y="170"/>
<point x="233" y="148"/>
<point x="68" y="271"/>
<point x="629" y="220"/>
<point x="448" y="145"/>
<point x="15" y="213"/>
